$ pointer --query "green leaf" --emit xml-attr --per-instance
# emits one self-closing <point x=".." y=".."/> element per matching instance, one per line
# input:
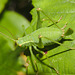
<point x="2" y="4"/>
<point x="55" y="9"/>
<point x="61" y="56"/>
<point x="8" y="59"/>
<point x="13" y="22"/>
<point x="9" y="53"/>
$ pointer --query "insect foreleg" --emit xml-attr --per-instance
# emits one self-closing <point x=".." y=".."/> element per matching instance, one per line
<point x="56" y="21"/>
<point x="39" y="9"/>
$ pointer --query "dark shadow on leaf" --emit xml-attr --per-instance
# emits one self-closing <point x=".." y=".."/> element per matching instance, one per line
<point x="57" y="54"/>
<point x="27" y="53"/>
<point x="41" y="62"/>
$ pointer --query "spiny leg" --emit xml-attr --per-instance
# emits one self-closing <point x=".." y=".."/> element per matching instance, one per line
<point x="47" y="58"/>
<point x="33" y="60"/>
<point x="68" y="32"/>
<point x="39" y="9"/>
<point x="63" y="29"/>
<point x="56" y="21"/>
<point x="59" y="19"/>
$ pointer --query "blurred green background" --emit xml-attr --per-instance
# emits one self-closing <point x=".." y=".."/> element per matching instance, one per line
<point x="18" y="17"/>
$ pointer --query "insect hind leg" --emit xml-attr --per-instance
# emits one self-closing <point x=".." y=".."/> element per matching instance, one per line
<point x="63" y="29"/>
<point x="47" y="58"/>
<point x="56" y="22"/>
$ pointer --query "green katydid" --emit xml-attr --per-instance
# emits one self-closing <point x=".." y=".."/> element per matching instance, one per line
<point x="42" y="37"/>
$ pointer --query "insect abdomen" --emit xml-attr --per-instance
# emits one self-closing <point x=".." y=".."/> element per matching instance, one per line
<point x="49" y="32"/>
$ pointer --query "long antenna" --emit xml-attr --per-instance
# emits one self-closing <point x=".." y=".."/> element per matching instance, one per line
<point x="7" y="36"/>
<point x="8" y="31"/>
